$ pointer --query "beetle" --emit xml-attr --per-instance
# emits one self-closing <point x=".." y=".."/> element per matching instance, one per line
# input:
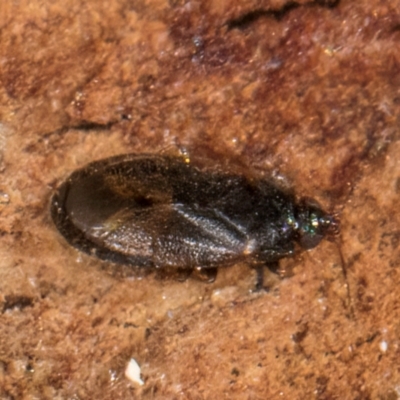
<point x="162" y="211"/>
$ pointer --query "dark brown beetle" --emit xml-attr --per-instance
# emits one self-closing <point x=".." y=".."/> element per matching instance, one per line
<point x="161" y="211"/>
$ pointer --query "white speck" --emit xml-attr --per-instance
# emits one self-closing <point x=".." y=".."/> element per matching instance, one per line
<point x="383" y="346"/>
<point x="4" y="198"/>
<point x="350" y="349"/>
<point x="132" y="372"/>
<point x="113" y="375"/>
<point x="32" y="281"/>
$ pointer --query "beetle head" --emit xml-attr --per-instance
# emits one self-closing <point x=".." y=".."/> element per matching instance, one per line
<point x="312" y="224"/>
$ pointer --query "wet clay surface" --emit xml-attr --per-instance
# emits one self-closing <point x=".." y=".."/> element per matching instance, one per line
<point x="306" y="90"/>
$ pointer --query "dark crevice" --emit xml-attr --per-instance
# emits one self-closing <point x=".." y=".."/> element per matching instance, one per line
<point x="82" y="125"/>
<point x="395" y="28"/>
<point x="325" y="3"/>
<point x="249" y="18"/>
<point x="245" y="20"/>
<point x="369" y="339"/>
<point x="16" y="301"/>
<point x="92" y="126"/>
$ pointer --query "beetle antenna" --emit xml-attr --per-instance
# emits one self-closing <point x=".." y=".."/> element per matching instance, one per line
<point x="349" y="305"/>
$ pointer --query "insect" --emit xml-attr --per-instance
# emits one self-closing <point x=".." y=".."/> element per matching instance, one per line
<point x="163" y="212"/>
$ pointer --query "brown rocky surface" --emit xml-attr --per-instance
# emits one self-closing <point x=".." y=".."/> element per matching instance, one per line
<point x="310" y="89"/>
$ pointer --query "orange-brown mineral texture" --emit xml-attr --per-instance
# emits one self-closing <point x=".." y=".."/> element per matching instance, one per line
<point x="306" y="90"/>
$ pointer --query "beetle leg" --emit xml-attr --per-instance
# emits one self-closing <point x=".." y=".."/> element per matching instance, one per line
<point x="273" y="267"/>
<point x="178" y="274"/>
<point x="260" y="278"/>
<point x="207" y="275"/>
<point x="182" y="274"/>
